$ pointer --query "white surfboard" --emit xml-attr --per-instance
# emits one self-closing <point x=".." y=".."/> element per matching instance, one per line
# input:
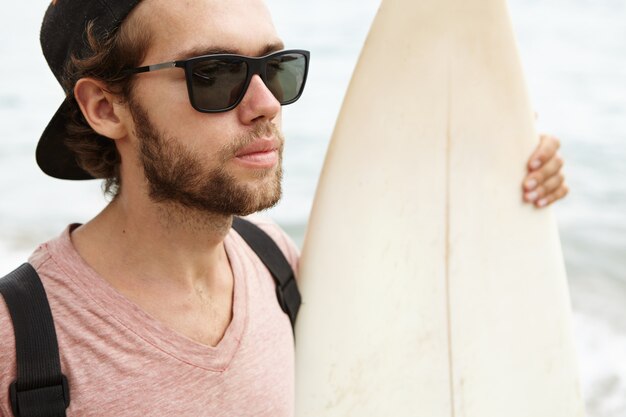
<point x="429" y="288"/>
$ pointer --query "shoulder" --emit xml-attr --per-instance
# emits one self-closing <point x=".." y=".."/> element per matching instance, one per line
<point x="7" y="355"/>
<point x="41" y="261"/>
<point x="280" y="237"/>
<point x="7" y="341"/>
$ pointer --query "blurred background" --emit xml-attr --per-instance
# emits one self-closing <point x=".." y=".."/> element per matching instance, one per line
<point x="574" y="56"/>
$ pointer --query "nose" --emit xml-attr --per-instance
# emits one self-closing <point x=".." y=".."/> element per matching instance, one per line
<point x="258" y="103"/>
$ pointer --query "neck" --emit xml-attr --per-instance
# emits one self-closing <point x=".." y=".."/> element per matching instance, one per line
<point x="157" y="244"/>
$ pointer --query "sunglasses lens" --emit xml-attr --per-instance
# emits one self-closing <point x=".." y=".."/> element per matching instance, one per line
<point x="285" y="76"/>
<point x="218" y="83"/>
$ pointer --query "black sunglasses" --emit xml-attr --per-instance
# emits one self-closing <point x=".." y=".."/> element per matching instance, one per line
<point x="217" y="83"/>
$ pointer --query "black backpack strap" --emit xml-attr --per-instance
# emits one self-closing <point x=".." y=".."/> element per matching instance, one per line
<point x="270" y="254"/>
<point x="40" y="390"/>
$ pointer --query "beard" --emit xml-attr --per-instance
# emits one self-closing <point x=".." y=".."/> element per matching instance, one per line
<point x="175" y="175"/>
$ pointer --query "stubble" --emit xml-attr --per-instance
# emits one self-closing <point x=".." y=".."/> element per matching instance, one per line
<point x="176" y="177"/>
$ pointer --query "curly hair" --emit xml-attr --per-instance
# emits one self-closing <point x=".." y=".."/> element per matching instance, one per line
<point x="106" y="58"/>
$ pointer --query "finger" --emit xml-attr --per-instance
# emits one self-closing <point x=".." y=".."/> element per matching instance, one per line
<point x="560" y="193"/>
<point x="550" y="186"/>
<point x="536" y="178"/>
<point x="547" y="148"/>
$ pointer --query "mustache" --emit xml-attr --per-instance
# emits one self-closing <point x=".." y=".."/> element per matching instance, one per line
<point x="261" y="130"/>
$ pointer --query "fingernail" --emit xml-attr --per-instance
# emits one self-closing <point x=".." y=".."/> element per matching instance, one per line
<point x="532" y="196"/>
<point x="536" y="163"/>
<point x="531" y="184"/>
<point x="542" y="202"/>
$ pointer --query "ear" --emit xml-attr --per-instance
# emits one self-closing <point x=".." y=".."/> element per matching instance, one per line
<point x="100" y="108"/>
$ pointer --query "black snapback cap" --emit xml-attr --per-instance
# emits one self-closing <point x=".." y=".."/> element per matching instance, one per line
<point x="63" y="36"/>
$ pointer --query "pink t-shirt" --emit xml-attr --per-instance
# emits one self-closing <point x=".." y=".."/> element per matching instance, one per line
<point x="122" y="362"/>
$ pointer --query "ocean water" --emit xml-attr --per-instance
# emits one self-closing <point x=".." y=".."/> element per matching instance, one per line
<point x="574" y="55"/>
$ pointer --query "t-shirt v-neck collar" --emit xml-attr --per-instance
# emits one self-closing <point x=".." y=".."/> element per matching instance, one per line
<point x="108" y="304"/>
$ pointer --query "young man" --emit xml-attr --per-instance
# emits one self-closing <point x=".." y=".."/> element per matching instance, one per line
<point x="159" y="307"/>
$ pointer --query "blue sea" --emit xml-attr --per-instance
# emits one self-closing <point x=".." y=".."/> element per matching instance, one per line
<point x="574" y="55"/>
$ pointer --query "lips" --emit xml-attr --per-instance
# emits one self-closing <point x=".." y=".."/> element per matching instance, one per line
<point x="260" y="146"/>
<point x="260" y="154"/>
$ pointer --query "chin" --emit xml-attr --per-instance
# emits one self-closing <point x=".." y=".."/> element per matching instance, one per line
<point x="260" y="199"/>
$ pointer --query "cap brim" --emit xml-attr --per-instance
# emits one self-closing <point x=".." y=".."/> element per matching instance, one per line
<point x="53" y="156"/>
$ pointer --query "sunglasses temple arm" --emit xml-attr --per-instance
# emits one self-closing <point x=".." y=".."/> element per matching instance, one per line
<point x="155" y="67"/>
